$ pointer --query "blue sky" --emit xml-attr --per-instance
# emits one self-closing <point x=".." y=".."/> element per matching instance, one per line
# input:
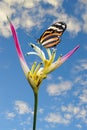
<point x="63" y="95"/>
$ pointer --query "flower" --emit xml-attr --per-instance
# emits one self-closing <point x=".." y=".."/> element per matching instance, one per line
<point x="38" y="72"/>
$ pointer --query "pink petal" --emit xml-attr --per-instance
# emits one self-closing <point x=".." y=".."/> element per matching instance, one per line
<point x="65" y="57"/>
<point x="19" y="51"/>
<point x="61" y="60"/>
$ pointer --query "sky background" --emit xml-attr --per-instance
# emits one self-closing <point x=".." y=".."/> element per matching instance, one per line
<point x="63" y="95"/>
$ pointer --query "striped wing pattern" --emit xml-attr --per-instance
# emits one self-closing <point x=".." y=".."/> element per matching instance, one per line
<point x="51" y="37"/>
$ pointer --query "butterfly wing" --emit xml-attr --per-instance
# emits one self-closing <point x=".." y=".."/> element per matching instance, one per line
<point x="51" y="37"/>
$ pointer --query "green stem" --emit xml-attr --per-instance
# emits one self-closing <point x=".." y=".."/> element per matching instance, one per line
<point x="35" y="110"/>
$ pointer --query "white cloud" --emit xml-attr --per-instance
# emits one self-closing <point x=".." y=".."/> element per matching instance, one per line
<point x="78" y="79"/>
<point x="22" y="107"/>
<point x="71" y="109"/>
<point x="84" y="16"/>
<point x="29" y="14"/>
<point x="83" y="1"/>
<point x="75" y="112"/>
<point x="81" y="80"/>
<point x="82" y="114"/>
<point x="21" y="3"/>
<point x="73" y="23"/>
<point x="5" y="10"/>
<point x="83" y="96"/>
<point x="14" y="9"/>
<point x="59" y="89"/>
<point x="79" y="126"/>
<point x="41" y="110"/>
<point x="56" y="118"/>
<point x="10" y="115"/>
<point x="74" y="26"/>
<point x="26" y="122"/>
<point x="81" y="65"/>
<point x="67" y="116"/>
<point x="60" y="78"/>
<point x="82" y="11"/>
<point x="54" y="3"/>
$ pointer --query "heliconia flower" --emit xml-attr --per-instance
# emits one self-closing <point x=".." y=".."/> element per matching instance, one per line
<point x="19" y="51"/>
<point x="38" y="72"/>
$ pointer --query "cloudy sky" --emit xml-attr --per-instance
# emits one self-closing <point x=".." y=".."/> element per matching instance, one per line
<point x="63" y="95"/>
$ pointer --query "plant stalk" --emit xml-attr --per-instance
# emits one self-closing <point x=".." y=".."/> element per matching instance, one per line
<point x="35" y="110"/>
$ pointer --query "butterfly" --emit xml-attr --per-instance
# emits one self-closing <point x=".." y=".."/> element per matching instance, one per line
<point x="52" y="36"/>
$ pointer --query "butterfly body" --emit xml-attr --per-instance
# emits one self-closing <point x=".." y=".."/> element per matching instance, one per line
<point x="52" y="36"/>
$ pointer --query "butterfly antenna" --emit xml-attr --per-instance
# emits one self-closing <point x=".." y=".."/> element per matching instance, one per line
<point x="28" y="34"/>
